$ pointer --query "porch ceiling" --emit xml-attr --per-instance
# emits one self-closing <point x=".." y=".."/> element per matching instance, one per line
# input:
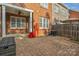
<point x="15" y="11"/>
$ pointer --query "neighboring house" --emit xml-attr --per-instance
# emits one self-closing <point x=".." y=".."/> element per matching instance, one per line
<point x="60" y="12"/>
<point x="24" y="18"/>
<point x="73" y="17"/>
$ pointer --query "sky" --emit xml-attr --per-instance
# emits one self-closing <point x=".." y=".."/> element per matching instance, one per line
<point x="73" y="6"/>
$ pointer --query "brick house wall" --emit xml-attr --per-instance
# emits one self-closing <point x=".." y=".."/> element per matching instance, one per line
<point x="73" y="14"/>
<point x="38" y="12"/>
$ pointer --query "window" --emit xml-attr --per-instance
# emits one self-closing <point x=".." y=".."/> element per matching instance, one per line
<point x="43" y="22"/>
<point x="56" y="9"/>
<point x="23" y="23"/>
<point x="46" y="23"/>
<point x="63" y="12"/>
<point x="17" y="22"/>
<point x="45" y="5"/>
<point x="13" y="22"/>
<point x="40" y="22"/>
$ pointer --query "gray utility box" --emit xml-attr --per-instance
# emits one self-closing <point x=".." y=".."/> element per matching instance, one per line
<point x="8" y="46"/>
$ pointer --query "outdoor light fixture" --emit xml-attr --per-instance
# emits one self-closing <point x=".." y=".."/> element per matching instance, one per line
<point x="47" y="15"/>
<point x="19" y="12"/>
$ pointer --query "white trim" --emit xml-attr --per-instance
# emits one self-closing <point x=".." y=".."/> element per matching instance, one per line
<point x="30" y="28"/>
<point x="17" y="7"/>
<point x="3" y="21"/>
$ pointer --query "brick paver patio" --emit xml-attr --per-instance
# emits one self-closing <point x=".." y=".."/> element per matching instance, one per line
<point x="46" y="46"/>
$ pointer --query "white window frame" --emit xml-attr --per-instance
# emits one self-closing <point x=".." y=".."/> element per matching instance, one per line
<point x="45" y="5"/>
<point x="23" y="27"/>
<point x="44" y="23"/>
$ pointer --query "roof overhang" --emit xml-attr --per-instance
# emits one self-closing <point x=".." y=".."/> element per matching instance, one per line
<point x="17" y="7"/>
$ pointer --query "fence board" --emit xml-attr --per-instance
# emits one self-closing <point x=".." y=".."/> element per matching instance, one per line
<point x="67" y="30"/>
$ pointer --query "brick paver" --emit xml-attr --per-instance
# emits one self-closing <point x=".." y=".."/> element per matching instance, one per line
<point x="46" y="46"/>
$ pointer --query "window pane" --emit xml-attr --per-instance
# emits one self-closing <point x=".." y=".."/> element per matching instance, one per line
<point x="44" y="22"/>
<point x="40" y="21"/>
<point x="13" y="22"/>
<point x="45" y="5"/>
<point x="19" y="22"/>
<point x="47" y="23"/>
<point x="23" y="22"/>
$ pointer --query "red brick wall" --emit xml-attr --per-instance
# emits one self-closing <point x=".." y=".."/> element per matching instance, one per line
<point x="73" y="14"/>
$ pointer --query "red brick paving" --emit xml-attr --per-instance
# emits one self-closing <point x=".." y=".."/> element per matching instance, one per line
<point x="46" y="46"/>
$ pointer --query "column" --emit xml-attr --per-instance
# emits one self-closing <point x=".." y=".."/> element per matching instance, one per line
<point x="3" y="21"/>
<point x="30" y="26"/>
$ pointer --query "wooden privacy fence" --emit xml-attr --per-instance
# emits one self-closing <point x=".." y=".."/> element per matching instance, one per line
<point x="67" y="30"/>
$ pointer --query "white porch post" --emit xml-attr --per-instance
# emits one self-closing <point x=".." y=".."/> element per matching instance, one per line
<point x="3" y="21"/>
<point x="30" y="28"/>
